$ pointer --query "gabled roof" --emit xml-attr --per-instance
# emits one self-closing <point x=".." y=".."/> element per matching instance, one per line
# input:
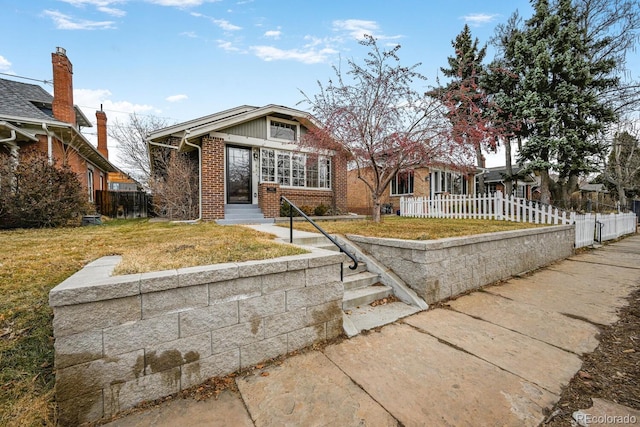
<point x="30" y="101"/>
<point x="227" y="118"/>
<point x="498" y="174"/>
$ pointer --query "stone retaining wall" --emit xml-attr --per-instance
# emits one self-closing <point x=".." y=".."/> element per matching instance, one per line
<point x="440" y="269"/>
<point x="122" y="340"/>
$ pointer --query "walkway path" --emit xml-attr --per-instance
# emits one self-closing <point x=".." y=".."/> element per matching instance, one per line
<point x="499" y="356"/>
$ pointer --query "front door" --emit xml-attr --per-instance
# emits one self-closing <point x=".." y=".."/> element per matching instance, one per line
<point x="238" y="175"/>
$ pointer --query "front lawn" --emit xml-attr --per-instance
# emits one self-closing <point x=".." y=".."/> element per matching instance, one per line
<point x="397" y="227"/>
<point x="32" y="262"/>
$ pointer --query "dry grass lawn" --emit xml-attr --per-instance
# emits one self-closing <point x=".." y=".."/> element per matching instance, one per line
<point x="396" y="227"/>
<point x="32" y="262"/>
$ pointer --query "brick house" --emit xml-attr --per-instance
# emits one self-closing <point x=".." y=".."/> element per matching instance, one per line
<point x="32" y="119"/>
<point x="418" y="182"/>
<point x="249" y="156"/>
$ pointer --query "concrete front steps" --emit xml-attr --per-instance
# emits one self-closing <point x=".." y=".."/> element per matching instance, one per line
<point x="362" y="288"/>
<point x="243" y="214"/>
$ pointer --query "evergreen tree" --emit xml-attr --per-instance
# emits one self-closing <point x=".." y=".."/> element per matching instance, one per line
<point x="464" y="98"/>
<point x="559" y="101"/>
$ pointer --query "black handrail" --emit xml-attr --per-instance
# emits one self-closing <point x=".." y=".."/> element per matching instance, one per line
<point x="342" y="249"/>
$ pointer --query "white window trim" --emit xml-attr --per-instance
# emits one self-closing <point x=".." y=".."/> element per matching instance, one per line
<point x="290" y="154"/>
<point x="290" y="122"/>
<point x="90" y="183"/>
<point x="395" y="178"/>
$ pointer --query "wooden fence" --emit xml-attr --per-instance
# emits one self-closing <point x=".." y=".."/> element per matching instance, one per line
<point x="589" y="227"/>
<point x="122" y="204"/>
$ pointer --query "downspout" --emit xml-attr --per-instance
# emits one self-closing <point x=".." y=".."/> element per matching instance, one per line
<point x="49" y="143"/>
<point x="13" y="147"/>
<point x="184" y="139"/>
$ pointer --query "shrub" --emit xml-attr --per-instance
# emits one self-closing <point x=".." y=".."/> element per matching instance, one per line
<point x="308" y="210"/>
<point x="175" y="187"/>
<point x="285" y="208"/>
<point x="36" y="194"/>
<point x="320" y="210"/>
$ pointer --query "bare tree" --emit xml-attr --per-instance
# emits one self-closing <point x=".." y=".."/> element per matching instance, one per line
<point x="174" y="185"/>
<point x="132" y="145"/>
<point x="622" y="171"/>
<point x="374" y="115"/>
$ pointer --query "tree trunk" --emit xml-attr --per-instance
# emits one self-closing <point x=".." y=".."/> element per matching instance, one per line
<point x="481" y="162"/>
<point x="545" y="184"/>
<point x="622" y="197"/>
<point x="375" y="212"/>
<point x="508" y="183"/>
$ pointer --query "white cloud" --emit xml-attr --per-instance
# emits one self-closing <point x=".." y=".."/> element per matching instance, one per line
<point x="190" y="34"/>
<point x="112" y="11"/>
<point x="222" y="23"/>
<point x="176" y="98"/>
<point x="177" y="3"/>
<point x="181" y="4"/>
<point x="66" y="22"/>
<point x="477" y="19"/>
<point x="357" y="28"/>
<point x="225" y="25"/>
<point x="227" y="45"/>
<point x="104" y="6"/>
<point x="5" y="65"/>
<point x="274" y="34"/>
<point x="90" y="100"/>
<point x="307" y="56"/>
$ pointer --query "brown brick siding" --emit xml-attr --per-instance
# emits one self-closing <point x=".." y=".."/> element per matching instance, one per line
<point x="63" y="89"/>
<point x="213" y="197"/>
<point x="269" y="200"/>
<point x="339" y="184"/>
<point x="359" y="195"/>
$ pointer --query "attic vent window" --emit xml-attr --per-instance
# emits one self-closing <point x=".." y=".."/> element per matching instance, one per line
<point x="283" y="130"/>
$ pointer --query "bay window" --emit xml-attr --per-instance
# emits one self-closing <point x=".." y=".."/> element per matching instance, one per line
<point x="291" y="169"/>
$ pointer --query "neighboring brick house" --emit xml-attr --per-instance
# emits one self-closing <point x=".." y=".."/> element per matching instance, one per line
<point x="418" y="182"/>
<point x="251" y="156"/>
<point x="31" y="118"/>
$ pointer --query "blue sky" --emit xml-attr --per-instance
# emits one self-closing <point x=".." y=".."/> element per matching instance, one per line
<point x="183" y="59"/>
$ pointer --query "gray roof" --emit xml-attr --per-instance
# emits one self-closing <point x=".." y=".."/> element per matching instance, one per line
<point x="18" y="99"/>
<point x="497" y="174"/>
<point x="29" y="101"/>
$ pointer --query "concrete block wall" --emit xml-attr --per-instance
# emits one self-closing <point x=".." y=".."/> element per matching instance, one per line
<point x="440" y="269"/>
<point x="121" y="340"/>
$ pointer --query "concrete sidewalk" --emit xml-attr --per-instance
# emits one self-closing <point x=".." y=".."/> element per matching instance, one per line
<point x="499" y="356"/>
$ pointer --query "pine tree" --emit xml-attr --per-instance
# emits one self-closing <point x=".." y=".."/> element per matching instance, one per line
<point x="464" y="98"/>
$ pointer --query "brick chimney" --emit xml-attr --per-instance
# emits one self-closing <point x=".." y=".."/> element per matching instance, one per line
<point x="101" y="119"/>
<point x="63" y="87"/>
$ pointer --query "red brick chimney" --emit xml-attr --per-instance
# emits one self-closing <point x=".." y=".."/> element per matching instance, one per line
<point x="101" y="119"/>
<point x="63" y="87"/>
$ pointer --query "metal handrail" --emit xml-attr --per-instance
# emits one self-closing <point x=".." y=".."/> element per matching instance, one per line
<point x="342" y="249"/>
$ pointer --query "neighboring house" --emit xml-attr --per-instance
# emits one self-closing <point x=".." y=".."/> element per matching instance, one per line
<point x="524" y="185"/>
<point x="120" y="181"/>
<point x="30" y="118"/>
<point x="250" y="156"/>
<point x="418" y="182"/>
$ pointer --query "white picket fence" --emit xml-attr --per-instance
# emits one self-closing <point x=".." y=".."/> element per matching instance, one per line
<point x="589" y="227"/>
